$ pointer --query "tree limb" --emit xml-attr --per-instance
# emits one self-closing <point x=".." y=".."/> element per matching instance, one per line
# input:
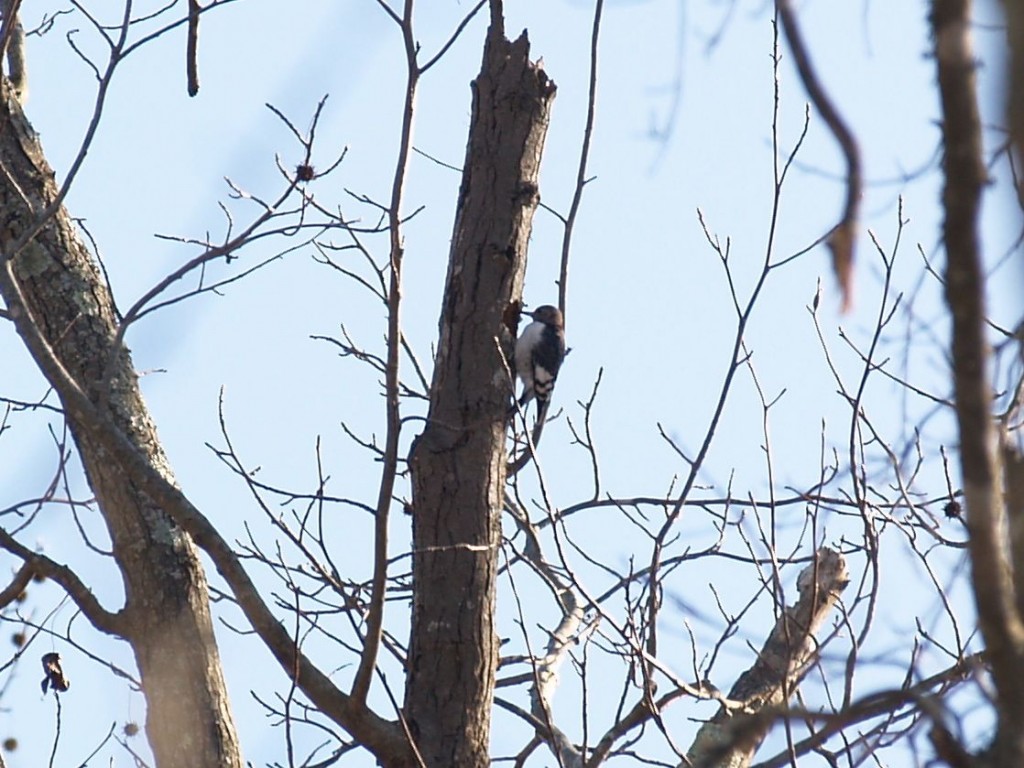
<point x="34" y="562"/>
<point x="730" y="738"/>
<point x="964" y="171"/>
<point x="842" y="239"/>
<point x="18" y="584"/>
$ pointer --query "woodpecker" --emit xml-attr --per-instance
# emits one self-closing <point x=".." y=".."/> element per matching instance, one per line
<point x="540" y="350"/>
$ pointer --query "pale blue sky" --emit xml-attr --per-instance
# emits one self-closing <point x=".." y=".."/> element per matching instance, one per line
<point x="647" y="298"/>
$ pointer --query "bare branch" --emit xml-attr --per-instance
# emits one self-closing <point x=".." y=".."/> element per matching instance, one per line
<point x="192" y="48"/>
<point x="454" y="36"/>
<point x="581" y="172"/>
<point x="102" y="619"/>
<point x="12" y="42"/>
<point x="18" y="584"/>
<point x="392" y="375"/>
<point x="842" y="239"/>
<point x="729" y="739"/>
<point x="965" y="177"/>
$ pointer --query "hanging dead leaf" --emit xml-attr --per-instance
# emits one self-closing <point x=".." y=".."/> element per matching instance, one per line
<point x="54" y="674"/>
<point x="840" y="243"/>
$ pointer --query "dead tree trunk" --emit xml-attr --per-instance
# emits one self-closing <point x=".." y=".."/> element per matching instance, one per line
<point x="458" y="462"/>
<point x="52" y="283"/>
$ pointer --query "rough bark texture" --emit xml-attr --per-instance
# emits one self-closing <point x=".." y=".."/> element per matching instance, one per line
<point x="166" y="616"/>
<point x="458" y="463"/>
<point x="732" y="736"/>
<point x="965" y="177"/>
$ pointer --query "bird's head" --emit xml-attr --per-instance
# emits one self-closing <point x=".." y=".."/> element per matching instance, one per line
<point x="548" y="315"/>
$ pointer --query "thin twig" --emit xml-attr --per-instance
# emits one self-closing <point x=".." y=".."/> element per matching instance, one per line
<point x="192" y="48"/>
<point x="581" y="171"/>
<point x="392" y="378"/>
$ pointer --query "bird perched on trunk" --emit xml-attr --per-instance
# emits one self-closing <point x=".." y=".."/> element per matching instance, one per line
<point x="540" y="350"/>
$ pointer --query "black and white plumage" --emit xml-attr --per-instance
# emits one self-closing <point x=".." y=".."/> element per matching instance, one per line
<point x="540" y="350"/>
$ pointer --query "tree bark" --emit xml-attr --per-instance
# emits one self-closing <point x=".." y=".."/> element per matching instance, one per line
<point x="991" y="572"/>
<point x="166" y="616"/>
<point x="1013" y="12"/>
<point x="458" y="462"/>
